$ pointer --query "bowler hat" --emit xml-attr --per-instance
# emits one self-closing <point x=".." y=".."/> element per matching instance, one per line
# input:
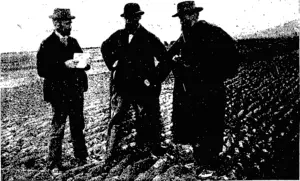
<point x="132" y="9"/>
<point x="60" y="13"/>
<point x="186" y="7"/>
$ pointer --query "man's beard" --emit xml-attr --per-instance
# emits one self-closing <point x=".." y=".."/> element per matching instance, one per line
<point x="131" y="27"/>
<point x="65" y="32"/>
<point x="185" y="27"/>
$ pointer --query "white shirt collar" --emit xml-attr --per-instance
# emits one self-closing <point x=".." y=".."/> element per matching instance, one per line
<point x="131" y="34"/>
<point x="130" y="38"/>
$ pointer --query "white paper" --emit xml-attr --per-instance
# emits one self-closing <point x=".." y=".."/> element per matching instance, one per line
<point x="82" y="59"/>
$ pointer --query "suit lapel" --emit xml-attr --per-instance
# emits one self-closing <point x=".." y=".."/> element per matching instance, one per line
<point x="138" y="35"/>
<point x="56" y="44"/>
<point x="63" y="52"/>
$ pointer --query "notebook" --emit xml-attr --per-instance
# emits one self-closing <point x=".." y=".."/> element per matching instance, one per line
<point x="82" y="59"/>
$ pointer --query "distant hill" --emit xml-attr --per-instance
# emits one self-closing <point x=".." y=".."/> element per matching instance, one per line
<point x="288" y="29"/>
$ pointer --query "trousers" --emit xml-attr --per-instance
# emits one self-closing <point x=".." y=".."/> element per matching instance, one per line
<point x="141" y="114"/>
<point x="198" y="120"/>
<point x="72" y="107"/>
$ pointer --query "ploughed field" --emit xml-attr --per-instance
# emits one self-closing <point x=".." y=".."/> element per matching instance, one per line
<point x="261" y="139"/>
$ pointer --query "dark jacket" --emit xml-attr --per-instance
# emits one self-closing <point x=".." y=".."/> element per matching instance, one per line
<point x="60" y="82"/>
<point x="209" y="57"/>
<point x="136" y="62"/>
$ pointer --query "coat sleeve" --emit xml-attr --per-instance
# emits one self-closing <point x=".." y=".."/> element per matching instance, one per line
<point x="163" y="68"/>
<point x="215" y="54"/>
<point x="109" y="52"/>
<point x="41" y="63"/>
<point x="175" y="49"/>
<point x="50" y="65"/>
<point x="227" y="54"/>
<point x="77" y="49"/>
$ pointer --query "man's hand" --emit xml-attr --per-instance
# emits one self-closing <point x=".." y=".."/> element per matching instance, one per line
<point x="146" y="82"/>
<point x="71" y="63"/>
<point x="115" y="64"/>
<point x="177" y="58"/>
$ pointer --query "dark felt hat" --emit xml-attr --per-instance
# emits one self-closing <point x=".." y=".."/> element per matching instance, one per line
<point x="132" y="9"/>
<point x="186" y="7"/>
<point x="60" y="13"/>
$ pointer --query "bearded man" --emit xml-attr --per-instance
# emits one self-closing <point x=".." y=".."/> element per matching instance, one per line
<point x="204" y="56"/>
<point x="64" y="87"/>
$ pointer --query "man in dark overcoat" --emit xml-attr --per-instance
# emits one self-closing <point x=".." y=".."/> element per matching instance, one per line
<point x="135" y="57"/>
<point x="64" y="87"/>
<point x="203" y="57"/>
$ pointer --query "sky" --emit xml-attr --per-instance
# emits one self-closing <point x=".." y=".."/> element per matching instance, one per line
<point x="24" y="24"/>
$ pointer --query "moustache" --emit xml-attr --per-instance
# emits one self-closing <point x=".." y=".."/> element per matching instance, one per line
<point x="66" y="31"/>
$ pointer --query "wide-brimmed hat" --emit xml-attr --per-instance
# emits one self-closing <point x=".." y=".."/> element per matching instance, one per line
<point x="132" y="9"/>
<point x="186" y="7"/>
<point x="60" y="13"/>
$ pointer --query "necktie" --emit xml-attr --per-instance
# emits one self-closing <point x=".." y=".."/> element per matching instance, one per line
<point x="64" y="40"/>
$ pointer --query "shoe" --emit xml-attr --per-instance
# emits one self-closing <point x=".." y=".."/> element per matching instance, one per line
<point x="206" y="173"/>
<point x="56" y="171"/>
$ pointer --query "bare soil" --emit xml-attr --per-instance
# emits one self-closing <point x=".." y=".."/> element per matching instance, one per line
<point x="261" y="139"/>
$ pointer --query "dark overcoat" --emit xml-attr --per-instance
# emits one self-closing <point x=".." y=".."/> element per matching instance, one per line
<point x="136" y="77"/>
<point x="208" y="57"/>
<point x="60" y="82"/>
<point x="136" y="62"/>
